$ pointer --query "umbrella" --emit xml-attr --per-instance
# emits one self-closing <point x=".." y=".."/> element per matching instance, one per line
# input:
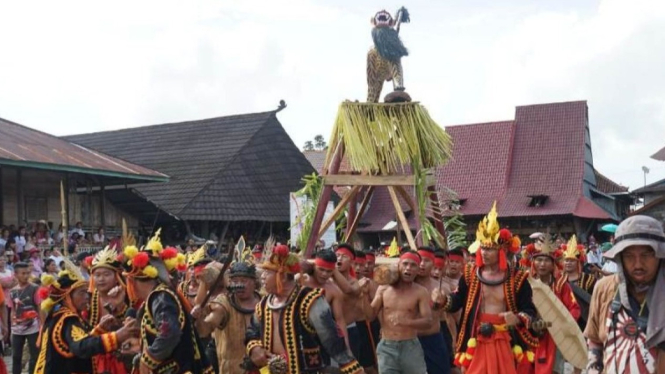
<point x="610" y="227"/>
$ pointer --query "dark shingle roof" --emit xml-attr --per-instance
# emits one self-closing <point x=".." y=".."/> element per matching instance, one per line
<point x="23" y="146"/>
<point x="232" y="168"/>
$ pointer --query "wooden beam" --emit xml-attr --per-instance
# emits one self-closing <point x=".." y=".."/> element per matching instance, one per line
<point x="323" y="200"/>
<point x="351" y="213"/>
<point x="402" y="218"/>
<point x="102" y="205"/>
<point x="374" y="180"/>
<point x="338" y="209"/>
<point x="351" y="229"/>
<point x="406" y="197"/>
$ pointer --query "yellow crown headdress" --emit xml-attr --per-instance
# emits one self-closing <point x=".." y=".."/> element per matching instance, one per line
<point x="196" y="256"/>
<point x="107" y="258"/>
<point x="488" y="229"/>
<point x="572" y="249"/>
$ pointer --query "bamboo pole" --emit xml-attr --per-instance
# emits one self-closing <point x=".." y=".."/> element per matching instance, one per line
<point x="402" y="218"/>
<point x="63" y="212"/>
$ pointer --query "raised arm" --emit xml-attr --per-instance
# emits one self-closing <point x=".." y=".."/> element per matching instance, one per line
<point x="346" y="286"/>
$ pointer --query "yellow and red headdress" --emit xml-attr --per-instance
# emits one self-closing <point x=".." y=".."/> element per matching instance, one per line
<point x="491" y="235"/>
<point x="282" y="261"/>
<point x="56" y="291"/>
<point x="575" y="251"/>
<point x="544" y="247"/>
<point x="153" y="260"/>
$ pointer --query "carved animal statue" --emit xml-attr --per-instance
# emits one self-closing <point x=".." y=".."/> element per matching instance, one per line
<point x="384" y="61"/>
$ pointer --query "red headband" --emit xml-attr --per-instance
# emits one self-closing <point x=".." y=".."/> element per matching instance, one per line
<point x="321" y="263"/>
<point x="346" y="252"/>
<point x="360" y="260"/>
<point x="439" y="262"/>
<point x="410" y="256"/>
<point x="368" y="255"/>
<point x="456" y="258"/>
<point x="427" y="254"/>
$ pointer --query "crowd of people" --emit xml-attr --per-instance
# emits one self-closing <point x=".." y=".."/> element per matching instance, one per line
<point x="156" y="309"/>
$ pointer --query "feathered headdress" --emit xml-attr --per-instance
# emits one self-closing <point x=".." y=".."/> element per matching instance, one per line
<point x="107" y="258"/>
<point x="573" y="250"/>
<point x="543" y="247"/>
<point x="153" y="260"/>
<point x="55" y="291"/>
<point x="282" y="261"/>
<point x="491" y="235"/>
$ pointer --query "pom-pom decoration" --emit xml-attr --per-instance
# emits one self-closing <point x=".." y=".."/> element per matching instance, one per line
<point x="88" y="261"/>
<point x="47" y="304"/>
<point x="131" y="251"/>
<point x="151" y="271"/>
<point x="141" y="260"/>
<point x="47" y="280"/>
<point x="171" y="263"/>
<point x="169" y="253"/>
<point x="281" y="250"/>
<point x="43" y="292"/>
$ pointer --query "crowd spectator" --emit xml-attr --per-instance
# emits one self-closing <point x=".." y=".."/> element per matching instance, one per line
<point x="51" y="267"/>
<point x="20" y="240"/>
<point x="4" y="237"/>
<point x="99" y="238"/>
<point x="24" y="318"/>
<point x="37" y="263"/>
<point x="78" y="229"/>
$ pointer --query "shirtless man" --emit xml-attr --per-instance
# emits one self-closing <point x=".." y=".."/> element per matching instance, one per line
<point x="405" y="311"/>
<point x="437" y="355"/>
<point x="454" y="265"/>
<point x="324" y="267"/>
<point x="498" y="309"/>
<point x="346" y="279"/>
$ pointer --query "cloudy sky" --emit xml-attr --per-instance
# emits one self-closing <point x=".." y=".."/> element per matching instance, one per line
<point x="69" y="67"/>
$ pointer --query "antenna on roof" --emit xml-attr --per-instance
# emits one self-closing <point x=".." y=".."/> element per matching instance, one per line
<point x="282" y="105"/>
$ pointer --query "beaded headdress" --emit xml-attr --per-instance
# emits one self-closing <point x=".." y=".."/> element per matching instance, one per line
<point x="153" y="260"/>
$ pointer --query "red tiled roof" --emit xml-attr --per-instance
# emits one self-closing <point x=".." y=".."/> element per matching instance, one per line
<point x="23" y="146"/>
<point x="547" y="159"/>
<point x="318" y="159"/>
<point x="480" y="163"/>
<point x="541" y="152"/>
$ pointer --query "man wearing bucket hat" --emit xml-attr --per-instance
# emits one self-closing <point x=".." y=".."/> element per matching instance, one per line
<point x="625" y="331"/>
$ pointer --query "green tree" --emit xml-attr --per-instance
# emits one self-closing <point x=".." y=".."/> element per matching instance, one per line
<point x="309" y="146"/>
<point x="320" y="143"/>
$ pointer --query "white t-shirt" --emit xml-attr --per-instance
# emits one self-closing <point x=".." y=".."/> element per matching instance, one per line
<point x="20" y="243"/>
<point x="57" y="259"/>
<point x="610" y="267"/>
<point x="98" y="238"/>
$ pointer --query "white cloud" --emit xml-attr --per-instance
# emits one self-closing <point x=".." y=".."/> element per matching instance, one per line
<point x="76" y="66"/>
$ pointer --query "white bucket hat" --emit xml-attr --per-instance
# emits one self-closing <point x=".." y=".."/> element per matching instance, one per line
<point x="638" y="230"/>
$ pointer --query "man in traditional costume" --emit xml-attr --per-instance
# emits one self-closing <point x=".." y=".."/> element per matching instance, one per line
<point x="169" y="342"/>
<point x="544" y="267"/>
<point x="581" y="282"/>
<point x="66" y="343"/>
<point x="108" y="298"/>
<point x="497" y="310"/>
<point x="625" y="330"/>
<point x="228" y="314"/>
<point x="293" y="323"/>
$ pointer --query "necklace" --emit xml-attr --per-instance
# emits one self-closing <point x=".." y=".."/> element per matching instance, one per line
<point x="236" y="306"/>
<point x="271" y="302"/>
<point x="490" y="282"/>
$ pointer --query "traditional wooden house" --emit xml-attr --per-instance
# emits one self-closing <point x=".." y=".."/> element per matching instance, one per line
<point x="228" y="175"/>
<point x="32" y="166"/>
<point x="538" y="167"/>
<point x="653" y="195"/>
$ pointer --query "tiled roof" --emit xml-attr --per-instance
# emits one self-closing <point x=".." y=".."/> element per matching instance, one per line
<point x="318" y="158"/>
<point x="606" y="185"/>
<point x="542" y="152"/>
<point x="235" y="168"/>
<point x="23" y="146"/>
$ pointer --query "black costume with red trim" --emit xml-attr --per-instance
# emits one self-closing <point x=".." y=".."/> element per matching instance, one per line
<point x="67" y="347"/>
